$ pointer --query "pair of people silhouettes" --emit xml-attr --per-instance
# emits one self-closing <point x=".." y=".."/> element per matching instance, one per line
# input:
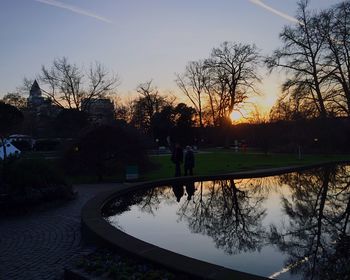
<point x="178" y="157"/>
<point x="179" y="190"/>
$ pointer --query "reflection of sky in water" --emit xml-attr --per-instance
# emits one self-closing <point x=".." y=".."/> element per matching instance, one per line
<point x="168" y="226"/>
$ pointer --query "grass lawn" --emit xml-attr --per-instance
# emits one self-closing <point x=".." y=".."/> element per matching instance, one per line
<point x="216" y="161"/>
<point x="207" y="162"/>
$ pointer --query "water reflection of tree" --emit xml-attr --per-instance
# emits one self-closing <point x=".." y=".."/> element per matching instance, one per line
<point x="148" y="200"/>
<point x="122" y="204"/>
<point x="153" y="198"/>
<point x="230" y="216"/>
<point x="316" y="238"/>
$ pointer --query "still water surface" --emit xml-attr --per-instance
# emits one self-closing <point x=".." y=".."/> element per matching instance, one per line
<point x="291" y="226"/>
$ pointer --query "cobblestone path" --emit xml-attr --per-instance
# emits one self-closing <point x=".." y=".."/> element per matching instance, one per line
<point x="41" y="244"/>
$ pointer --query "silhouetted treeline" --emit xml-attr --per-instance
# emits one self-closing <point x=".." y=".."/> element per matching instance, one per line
<point x="310" y="136"/>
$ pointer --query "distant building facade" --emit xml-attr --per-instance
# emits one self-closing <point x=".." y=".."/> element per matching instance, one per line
<point x="99" y="110"/>
<point x="40" y="113"/>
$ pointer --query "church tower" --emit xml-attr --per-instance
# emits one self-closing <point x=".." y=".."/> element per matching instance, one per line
<point x="35" y="98"/>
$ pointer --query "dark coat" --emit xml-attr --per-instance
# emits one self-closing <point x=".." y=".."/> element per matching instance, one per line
<point x="178" y="155"/>
<point x="189" y="159"/>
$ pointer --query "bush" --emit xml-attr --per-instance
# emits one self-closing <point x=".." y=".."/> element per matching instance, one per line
<point x="46" y="145"/>
<point x="34" y="180"/>
<point x="69" y="122"/>
<point x="106" y="150"/>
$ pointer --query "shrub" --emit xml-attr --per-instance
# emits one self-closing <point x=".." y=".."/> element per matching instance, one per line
<point x="106" y="150"/>
<point x="69" y="122"/>
<point x="28" y="178"/>
<point x="46" y="145"/>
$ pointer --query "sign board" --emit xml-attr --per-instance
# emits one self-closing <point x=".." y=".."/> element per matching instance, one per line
<point x="132" y="172"/>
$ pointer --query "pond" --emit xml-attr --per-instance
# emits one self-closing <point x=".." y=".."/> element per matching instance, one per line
<point x="290" y="226"/>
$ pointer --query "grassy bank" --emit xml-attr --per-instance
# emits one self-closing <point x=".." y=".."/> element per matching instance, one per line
<point x="216" y="161"/>
<point x="207" y="162"/>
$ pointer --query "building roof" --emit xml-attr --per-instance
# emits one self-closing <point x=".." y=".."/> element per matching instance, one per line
<point x="35" y="89"/>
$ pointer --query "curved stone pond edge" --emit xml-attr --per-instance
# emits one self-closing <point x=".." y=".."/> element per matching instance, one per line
<point x="97" y="230"/>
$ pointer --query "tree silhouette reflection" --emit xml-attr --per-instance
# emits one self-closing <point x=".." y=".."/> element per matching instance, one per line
<point x="148" y="200"/>
<point x="316" y="238"/>
<point x="312" y="235"/>
<point x="230" y="216"/>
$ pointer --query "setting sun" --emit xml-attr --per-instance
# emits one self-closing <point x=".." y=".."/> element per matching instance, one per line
<point x="236" y="116"/>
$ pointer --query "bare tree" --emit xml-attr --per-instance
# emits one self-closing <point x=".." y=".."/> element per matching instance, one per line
<point x="68" y="86"/>
<point x="233" y="67"/>
<point x="15" y="99"/>
<point x="302" y="56"/>
<point x="257" y="116"/>
<point x="151" y="97"/>
<point x="336" y="29"/>
<point x="123" y="109"/>
<point x="289" y="107"/>
<point x="218" y="99"/>
<point x="149" y="102"/>
<point x="193" y="83"/>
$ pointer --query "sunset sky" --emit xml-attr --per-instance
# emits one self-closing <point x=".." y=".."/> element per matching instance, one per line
<point x="137" y="39"/>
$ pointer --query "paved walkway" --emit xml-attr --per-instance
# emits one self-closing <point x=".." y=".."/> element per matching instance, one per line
<point x="41" y="244"/>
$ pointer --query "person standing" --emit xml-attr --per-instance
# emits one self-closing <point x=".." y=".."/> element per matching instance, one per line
<point x="189" y="161"/>
<point x="177" y="158"/>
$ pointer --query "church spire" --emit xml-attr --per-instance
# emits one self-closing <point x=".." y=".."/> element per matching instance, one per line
<point x="35" y="90"/>
<point x="35" y="98"/>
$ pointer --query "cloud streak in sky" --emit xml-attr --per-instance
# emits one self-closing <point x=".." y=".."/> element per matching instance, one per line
<point x="274" y="11"/>
<point x="73" y="9"/>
